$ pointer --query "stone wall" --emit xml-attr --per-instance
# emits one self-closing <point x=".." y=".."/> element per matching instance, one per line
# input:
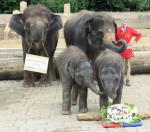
<point x="2" y="27"/>
<point x="11" y="65"/>
<point x="138" y="20"/>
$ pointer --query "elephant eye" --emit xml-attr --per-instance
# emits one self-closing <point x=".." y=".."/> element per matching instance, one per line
<point x="27" y="26"/>
<point x="91" y="72"/>
<point x="80" y="76"/>
<point x="116" y="79"/>
<point x="104" y="71"/>
<point x="47" y="27"/>
<point x="100" y="34"/>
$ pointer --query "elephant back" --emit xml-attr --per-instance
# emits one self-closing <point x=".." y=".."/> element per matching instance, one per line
<point x="36" y="10"/>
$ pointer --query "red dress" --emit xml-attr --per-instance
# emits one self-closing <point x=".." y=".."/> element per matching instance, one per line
<point x="127" y="35"/>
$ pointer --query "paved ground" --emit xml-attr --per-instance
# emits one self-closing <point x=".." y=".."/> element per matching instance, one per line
<point x="39" y="109"/>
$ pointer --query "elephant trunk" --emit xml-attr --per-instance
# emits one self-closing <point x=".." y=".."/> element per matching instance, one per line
<point x="38" y="31"/>
<point x="112" y="95"/>
<point x="95" y="90"/>
<point x="115" y="47"/>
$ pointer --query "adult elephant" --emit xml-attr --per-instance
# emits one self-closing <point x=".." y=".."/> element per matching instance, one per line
<point x="38" y="27"/>
<point x="92" y="32"/>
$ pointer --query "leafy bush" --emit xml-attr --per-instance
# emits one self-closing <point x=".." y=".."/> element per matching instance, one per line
<point x="7" y="6"/>
<point x="58" y="5"/>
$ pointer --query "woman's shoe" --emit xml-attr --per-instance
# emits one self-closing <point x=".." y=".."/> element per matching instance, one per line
<point x="128" y="83"/>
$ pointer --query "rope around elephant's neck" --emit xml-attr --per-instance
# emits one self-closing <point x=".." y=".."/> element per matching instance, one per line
<point x="30" y="47"/>
<point x="42" y="45"/>
<point x="44" y="49"/>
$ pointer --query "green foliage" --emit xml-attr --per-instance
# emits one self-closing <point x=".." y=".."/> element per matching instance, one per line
<point x="58" y="5"/>
<point x="136" y="118"/>
<point x="122" y="5"/>
<point x="103" y="112"/>
<point x="7" y="6"/>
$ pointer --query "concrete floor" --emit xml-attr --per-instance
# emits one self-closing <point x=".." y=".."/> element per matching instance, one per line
<point x="38" y="109"/>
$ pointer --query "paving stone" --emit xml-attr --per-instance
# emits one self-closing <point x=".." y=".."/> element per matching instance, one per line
<point x="9" y="129"/>
<point x="39" y="109"/>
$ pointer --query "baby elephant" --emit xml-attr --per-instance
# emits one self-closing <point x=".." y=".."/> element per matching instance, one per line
<point x="110" y="76"/>
<point x="75" y="69"/>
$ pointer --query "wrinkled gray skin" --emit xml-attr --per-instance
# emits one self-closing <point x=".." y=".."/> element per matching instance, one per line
<point x="38" y="27"/>
<point x="92" y="32"/>
<point x="75" y="69"/>
<point x="110" y="76"/>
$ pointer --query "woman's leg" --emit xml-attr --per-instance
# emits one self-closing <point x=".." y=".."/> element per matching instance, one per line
<point x="128" y="72"/>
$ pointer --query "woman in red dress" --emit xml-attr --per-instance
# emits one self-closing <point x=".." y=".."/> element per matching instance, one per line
<point x="125" y="32"/>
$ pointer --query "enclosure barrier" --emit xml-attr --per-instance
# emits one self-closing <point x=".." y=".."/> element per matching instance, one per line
<point x="11" y="65"/>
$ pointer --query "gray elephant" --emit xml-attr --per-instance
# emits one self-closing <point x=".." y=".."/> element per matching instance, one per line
<point x="38" y="27"/>
<point x="92" y="32"/>
<point x="75" y="69"/>
<point x="110" y="75"/>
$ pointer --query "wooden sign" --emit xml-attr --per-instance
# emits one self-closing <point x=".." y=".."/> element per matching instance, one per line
<point x="36" y="63"/>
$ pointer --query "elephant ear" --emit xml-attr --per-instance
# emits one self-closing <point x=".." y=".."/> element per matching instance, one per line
<point x="89" y="27"/>
<point x="17" y="24"/>
<point x="90" y="23"/>
<point x="55" y="22"/>
<point x="71" y="67"/>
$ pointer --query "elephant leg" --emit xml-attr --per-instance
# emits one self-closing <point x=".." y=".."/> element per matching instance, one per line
<point x="45" y="78"/>
<point x="28" y="76"/>
<point x="29" y="79"/>
<point x="117" y="100"/>
<point x="51" y="76"/>
<point x="51" y="44"/>
<point x="51" y="71"/>
<point x="44" y="81"/>
<point x="75" y="93"/>
<point x="66" y="106"/>
<point x="103" y="101"/>
<point x="83" y="100"/>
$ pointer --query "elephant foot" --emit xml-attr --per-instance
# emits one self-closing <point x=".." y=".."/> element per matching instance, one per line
<point x="66" y="112"/>
<point x="53" y="78"/>
<point x="74" y="102"/>
<point x="83" y="110"/>
<point x="28" y="84"/>
<point x="44" y="83"/>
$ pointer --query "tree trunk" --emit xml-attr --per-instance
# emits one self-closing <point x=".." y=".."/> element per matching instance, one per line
<point x="98" y="117"/>
<point x="11" y="63"/>
<point x="141" y="62"/>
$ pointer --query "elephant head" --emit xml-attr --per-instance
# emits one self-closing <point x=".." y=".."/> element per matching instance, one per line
<point x="100" y="30"/>
<point x="34" y="25"/>
<point x="110" y="80"/>
<point x="83" y="76"/>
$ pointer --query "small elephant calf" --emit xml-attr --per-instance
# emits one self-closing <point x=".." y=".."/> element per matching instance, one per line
<point x="110" y="75"/>
<point x="75" y="69"/>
